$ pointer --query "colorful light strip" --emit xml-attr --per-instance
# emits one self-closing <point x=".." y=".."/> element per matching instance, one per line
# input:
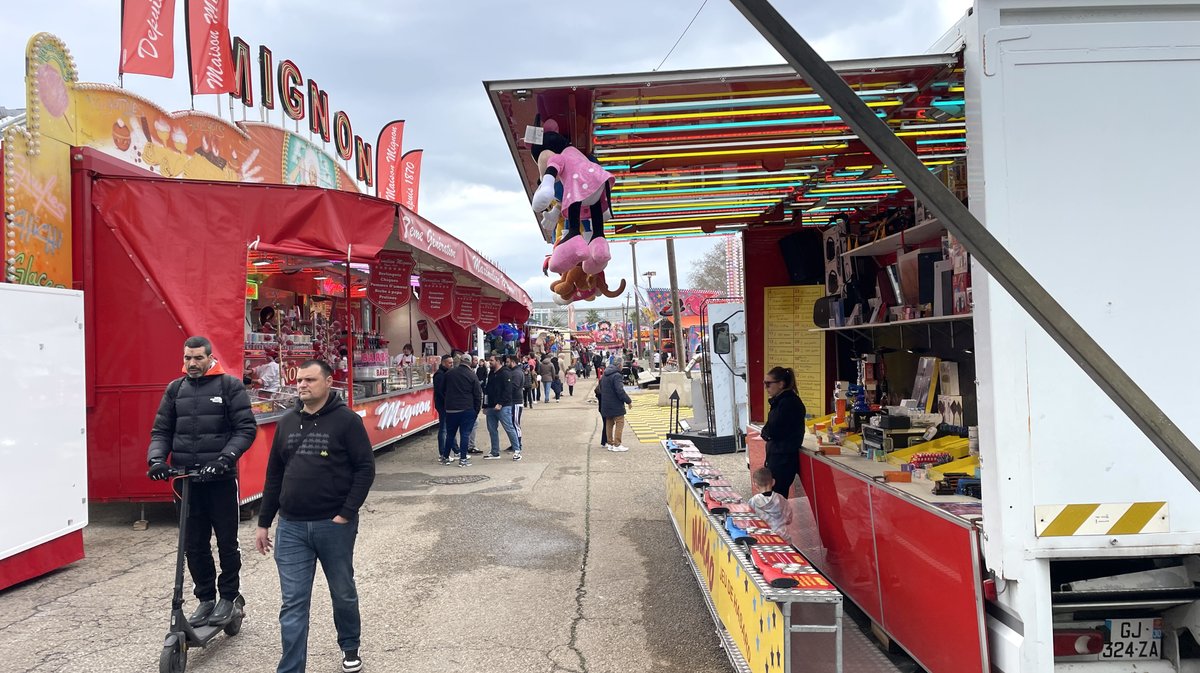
<point x="726" y="94"/>
<point x="643" y="130"/>
<point x="761" y="150"/>
<point x="834" y="129"/>
<point x="739" y="102"/>
<point x="819" y="140"/>
<point x="735" y="113"/>
<point x="781" y="187"/>
<point x="734" y="174"/>
<point x="702" y="183"/>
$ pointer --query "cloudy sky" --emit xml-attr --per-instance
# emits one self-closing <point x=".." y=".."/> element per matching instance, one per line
<point x="425" y="62"/>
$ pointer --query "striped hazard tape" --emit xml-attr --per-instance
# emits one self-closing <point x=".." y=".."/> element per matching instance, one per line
<point x="1125" y="518"/>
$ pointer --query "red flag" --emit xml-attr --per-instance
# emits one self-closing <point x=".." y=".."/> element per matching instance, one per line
<point x="410" y="179"/>
<point x="437" y="293"/>
<point x="466" y="305"/>
<point x="388" y="153"/>
<point x="148" y="37"/>
<point x="210" y="59"/>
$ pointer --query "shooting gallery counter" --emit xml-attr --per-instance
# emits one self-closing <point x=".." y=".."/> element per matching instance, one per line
<point x="773" y="610"/>
<point x="909" y="559"/>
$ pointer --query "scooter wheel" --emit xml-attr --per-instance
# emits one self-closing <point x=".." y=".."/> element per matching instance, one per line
<point x="172" y="660"/>
<point x="234" y="626"/>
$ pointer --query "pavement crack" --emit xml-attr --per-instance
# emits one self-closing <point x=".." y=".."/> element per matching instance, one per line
<point x="581" y="588"/>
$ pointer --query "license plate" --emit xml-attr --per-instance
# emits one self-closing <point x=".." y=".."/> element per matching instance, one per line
<point x="1132" y="639"/>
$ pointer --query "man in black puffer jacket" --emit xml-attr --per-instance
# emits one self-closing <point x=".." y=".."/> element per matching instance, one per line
<point x="205" y="421"/>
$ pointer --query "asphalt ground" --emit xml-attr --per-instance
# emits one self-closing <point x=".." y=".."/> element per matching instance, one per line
<point x="564" y="561"/>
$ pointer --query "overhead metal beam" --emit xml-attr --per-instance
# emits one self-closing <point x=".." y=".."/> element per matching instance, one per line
<point x="991" y="255"/>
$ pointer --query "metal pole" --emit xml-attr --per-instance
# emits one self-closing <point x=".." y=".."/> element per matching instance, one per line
<point x="676" y="309"/>
<point x="637" y="311"/>
<point x="990" y="254"/>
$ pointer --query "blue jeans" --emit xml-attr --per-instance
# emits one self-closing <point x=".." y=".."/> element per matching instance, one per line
<point x="441" y="437"/>
<point x="546" y="390"/>
<point x="298" y="547"/>
<point x="459" y="425"/>
<point x="502" y="417"/>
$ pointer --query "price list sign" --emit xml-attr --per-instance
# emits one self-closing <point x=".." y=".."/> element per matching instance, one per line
<point x="789" y="343"/>
<point x="437" y="293"/>
<point x="391" y="280"/>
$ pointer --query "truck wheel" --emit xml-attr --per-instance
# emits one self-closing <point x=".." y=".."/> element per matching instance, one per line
<point x="172" y="660"/>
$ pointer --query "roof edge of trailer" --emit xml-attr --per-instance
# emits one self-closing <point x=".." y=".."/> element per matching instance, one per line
<point x="739" y="72"/>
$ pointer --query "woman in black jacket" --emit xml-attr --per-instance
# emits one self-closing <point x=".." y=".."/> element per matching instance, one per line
<point x="784" y="430"/>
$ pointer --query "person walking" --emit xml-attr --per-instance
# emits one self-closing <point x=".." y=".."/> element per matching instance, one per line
<point x="319" y="472"/>
<point x="518" y="378"/>
<point x="527" y="377"/>
<point x="204" y="420"/>
<point x="784" y="429"/>
<point x="570" y="378"/>
<point x="556" y="383"/>
<point x="463" y="400"/>
<point x="546" y="371"/>
<point x="481" y="372"/>
<point x="613" y="400"/>
<point x="439" y="398"/>
<point x="498" y="396"/>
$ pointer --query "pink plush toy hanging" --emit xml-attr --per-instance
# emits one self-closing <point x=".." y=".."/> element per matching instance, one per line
<point x="584" y="184"/>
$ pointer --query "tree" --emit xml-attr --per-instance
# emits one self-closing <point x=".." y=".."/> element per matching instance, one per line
<point x="709" y="271"/>
<point x="592" y="317"/>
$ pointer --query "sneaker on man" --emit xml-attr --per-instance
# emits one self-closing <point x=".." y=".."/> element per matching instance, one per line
<point x="475" y="451"/>
<point x="516" y="455"/>
<point x="492" y="457"/>
<point x="351" y="662"/>
<point x="464" y="463"/>
<point x="617" y="448"/>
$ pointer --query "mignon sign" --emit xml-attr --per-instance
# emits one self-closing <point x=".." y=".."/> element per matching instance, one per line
<point x="398" y="415"/>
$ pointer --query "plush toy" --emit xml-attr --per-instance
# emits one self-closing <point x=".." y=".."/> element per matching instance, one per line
<point x="576" y="284"/>
<point x="584" y="184"/>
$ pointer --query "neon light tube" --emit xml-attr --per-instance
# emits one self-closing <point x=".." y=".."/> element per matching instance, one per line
<point x="763" y="150"/>
<point x="745" y="174"/>
<point x="819" y="140"/>
<point x="735" y="113"/>
<point x="643" y="130"/>
<point x="738" y="102"/>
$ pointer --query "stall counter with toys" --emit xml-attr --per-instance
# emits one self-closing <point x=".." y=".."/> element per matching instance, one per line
<point x="773" y="610"/>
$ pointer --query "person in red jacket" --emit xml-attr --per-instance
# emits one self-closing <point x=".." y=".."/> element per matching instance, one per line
<point x="319" y="471"/>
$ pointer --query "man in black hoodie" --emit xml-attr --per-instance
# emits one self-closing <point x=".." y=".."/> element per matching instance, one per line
<point x="205" y="421"/>
<point x="463" y="397"/>
<point x="439" y="395"/>
<point x="318" y="474"/>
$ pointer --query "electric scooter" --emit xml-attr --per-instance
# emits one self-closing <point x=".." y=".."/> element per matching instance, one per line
<point x="182" y="635"/>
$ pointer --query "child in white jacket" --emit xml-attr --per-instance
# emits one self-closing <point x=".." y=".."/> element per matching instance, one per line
<point x="768" y="505"/>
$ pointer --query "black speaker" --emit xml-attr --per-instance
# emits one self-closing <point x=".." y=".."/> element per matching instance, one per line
<point x="803" y="256"/>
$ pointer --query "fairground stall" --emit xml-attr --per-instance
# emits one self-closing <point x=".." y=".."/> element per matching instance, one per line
<point x="981" y="493"/>
<point x="176" y="224"/>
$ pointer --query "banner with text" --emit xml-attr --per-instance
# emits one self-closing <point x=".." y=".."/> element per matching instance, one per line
<point x="489" y="313"/>
<point x="209" y="54"/>
<point x="466" y="305"/>
<point x="391" y="280"/>
<point x="148" y="37"/>
<point x="437" y="293"/>
<point x="388" y="153"/>
<point x="410" y="179"/>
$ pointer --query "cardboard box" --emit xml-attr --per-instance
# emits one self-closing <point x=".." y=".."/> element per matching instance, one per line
<point x="951" y="409"/>
<point x="948" y="378"/>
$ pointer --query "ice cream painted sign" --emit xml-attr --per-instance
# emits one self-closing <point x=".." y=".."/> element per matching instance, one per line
<point x="63" y="113"/>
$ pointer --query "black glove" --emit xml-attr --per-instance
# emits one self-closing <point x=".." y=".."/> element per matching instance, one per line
<point x="215" y="468"/>
<point x="159" y="471"/>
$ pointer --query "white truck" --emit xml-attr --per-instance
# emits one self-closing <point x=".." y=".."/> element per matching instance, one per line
<point x="1082" y="146"/>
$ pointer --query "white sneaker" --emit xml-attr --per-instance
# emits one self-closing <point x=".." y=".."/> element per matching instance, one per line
<point x="618" y="448"/>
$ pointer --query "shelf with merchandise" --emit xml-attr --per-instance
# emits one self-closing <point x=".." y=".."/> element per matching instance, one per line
<point x="895" y="323"/>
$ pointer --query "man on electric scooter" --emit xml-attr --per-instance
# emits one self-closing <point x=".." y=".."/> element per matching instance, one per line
<point x="205" y="421"/>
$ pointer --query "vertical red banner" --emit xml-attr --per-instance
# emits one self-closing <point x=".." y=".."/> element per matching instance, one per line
<point x="466" y="305"/>
<point x="391" y="280"/>
<point x="210" y="58"/>
<point x="410" y="179"/>
<point x="437" y="293"/>
<point x="489" y="313"/>
<point x="148" y="37"/>
<point x="388" y="153"/>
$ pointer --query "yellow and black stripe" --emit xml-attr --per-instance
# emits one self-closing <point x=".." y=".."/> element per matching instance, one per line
<point x="1127" y="518"/>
